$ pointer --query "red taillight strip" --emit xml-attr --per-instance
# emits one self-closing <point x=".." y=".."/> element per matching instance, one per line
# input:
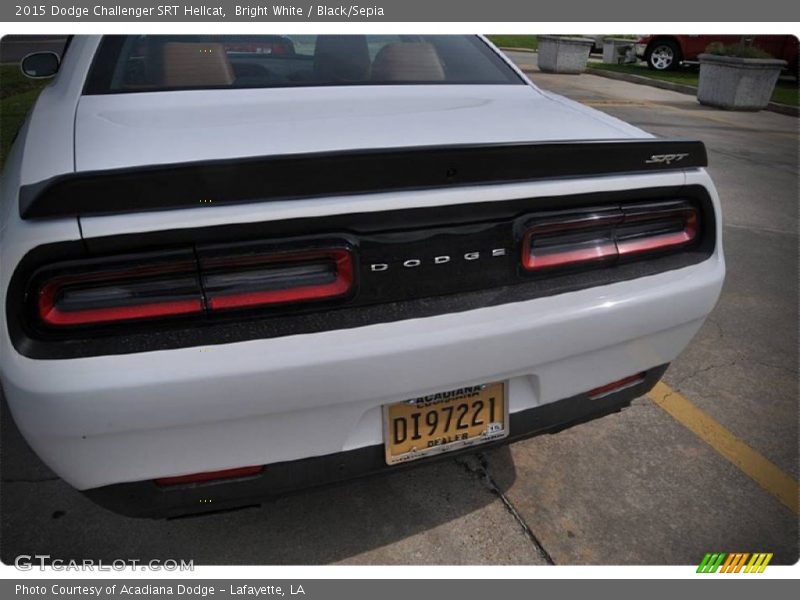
<point x="663" y="240"/>
<point x="52" y="316"/>
<point x="597" y="252"/>
<point x="616" y="386"/>
<point x="211" y="475"/>
<point x="48" y="295"/>
<point x="657" y="242"/>
<point x="340" y="286"/>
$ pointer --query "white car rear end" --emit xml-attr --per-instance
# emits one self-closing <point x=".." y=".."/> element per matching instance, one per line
<point x="322" y="254"/>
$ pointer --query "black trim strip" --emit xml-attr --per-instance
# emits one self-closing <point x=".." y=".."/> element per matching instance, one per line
<point x="146" y="499"/>
<point x="260" y="179"/>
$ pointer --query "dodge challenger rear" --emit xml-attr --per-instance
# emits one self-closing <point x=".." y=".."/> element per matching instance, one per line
<point x="229" y="271"/>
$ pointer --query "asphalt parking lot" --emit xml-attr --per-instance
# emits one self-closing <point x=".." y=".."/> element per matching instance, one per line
<point x="708" y="462"/>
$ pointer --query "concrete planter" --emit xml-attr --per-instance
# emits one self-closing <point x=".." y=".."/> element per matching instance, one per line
<point x="736" y="83"/>
<point x="563" y="54"/>
<point x="616" y="51"/>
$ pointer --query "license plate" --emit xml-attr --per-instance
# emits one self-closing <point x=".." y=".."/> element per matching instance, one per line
<point x="445" y="421"/>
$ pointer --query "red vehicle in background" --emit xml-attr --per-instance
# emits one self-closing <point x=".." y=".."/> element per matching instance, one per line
<point x="666" y="52"/>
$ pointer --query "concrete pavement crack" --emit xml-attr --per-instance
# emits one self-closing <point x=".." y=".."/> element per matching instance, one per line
<point x="696" y="372"/>
<point x="731" y="363"/>
<point x="790" y="370"/>
<point x="711" y="321"/>
<point x="480" y="467"/>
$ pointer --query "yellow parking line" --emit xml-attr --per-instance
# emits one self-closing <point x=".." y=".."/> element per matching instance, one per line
<point x="766" y="474"/>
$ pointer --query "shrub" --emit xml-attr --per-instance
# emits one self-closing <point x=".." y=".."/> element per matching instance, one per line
<point x="740" y="50"/>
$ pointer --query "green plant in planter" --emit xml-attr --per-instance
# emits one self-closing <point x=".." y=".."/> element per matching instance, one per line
<point x="740" y="50"/>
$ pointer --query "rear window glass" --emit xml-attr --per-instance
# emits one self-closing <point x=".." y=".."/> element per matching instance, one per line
<point x="154" y="62"/>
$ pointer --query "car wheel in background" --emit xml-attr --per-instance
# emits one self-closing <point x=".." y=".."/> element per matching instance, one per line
<point x="663" y="55"/>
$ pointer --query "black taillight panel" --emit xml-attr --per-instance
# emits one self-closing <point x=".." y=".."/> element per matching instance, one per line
<point x="192" y="287"/>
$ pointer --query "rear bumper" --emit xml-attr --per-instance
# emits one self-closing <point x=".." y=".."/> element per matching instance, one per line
<point x="106" y="420"/>
<point x="147" y="499"/>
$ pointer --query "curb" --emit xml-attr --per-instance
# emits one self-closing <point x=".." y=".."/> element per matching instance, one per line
<point x="507" y="49"/>
<point x="784" y="109"/>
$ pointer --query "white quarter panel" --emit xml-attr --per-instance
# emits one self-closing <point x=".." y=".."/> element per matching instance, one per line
<point x="48" y="143"/>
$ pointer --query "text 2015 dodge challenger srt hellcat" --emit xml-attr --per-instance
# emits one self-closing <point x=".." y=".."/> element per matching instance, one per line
<point x="233" y="266"/>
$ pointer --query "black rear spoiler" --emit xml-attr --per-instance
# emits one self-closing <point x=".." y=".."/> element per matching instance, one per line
<point x="261" y="179"/>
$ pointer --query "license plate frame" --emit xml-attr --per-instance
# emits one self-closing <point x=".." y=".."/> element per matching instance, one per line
<point x="444" y="438"/>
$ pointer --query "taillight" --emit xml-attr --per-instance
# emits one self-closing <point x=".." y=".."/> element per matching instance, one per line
<point x="185" y="282"/>
<point x="657" y="226"/>
<point x="263" y="279"/>
<point x="616" y="386"/>
<point x="211" y="476"/>
<point x="586" y="237"/>
<point x="124" y="291"/>
<point x="572" y="238"/>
